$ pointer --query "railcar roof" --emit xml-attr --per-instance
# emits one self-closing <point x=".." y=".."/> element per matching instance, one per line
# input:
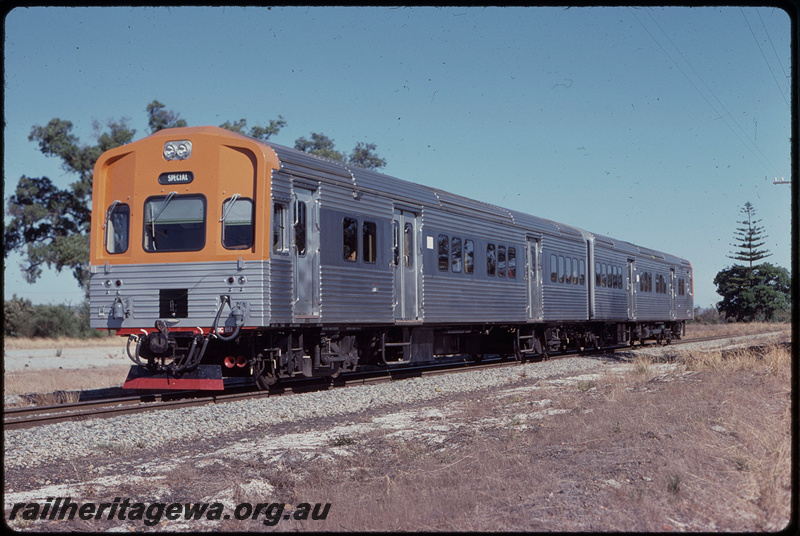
<point x="313" y="167"/>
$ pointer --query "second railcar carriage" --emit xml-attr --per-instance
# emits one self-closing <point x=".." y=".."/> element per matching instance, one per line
<point x="217" y="253"/>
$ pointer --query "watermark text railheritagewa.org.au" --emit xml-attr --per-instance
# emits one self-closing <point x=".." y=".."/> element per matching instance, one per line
<point x="64" y="508"/>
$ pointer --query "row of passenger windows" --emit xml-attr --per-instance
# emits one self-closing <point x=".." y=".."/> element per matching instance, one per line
<point x="567" y="270"/>
<point x="646" y="283"/>
<point x="501" y="261"/>
<point x="178" y="223"/>
<point x="608" y="275"/>
<point x="681" y="286"/>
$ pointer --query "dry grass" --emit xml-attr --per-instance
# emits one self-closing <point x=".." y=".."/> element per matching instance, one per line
<point x="21" y="343"/>
<point x="733" y="329"/>
<point x="47" y="382"/>
<point x="703" y="446"/>
<point x="703" y="449"/>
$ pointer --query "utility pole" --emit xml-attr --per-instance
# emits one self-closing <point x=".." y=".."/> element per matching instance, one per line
<point x="776" y="181"/>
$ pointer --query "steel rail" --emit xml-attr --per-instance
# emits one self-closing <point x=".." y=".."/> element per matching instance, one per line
<point x="33" y="416"/>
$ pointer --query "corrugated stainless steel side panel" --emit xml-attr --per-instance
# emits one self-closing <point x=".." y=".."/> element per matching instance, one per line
<point x="364" y="205"/>
<point x="651" y="305"/>
<point x="280" y="289"/>
<point x="205" y="282"/>
<point x="684" y="305"/>
<point x="563" y="301"/>
<point x="610" y="303"/>
<point x="477" y="297"/>
<point x="451" y="298"/>
<point x="355" y="295"/>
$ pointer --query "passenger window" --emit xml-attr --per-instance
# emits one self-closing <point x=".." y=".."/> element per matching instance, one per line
<point x="553" y="269"/>
<point x="574" y="271"/>
<point x="456" y="259"/>
<point x="118" y="219"/>
<point x="369" y="233"/>
<point x="501" y="261"/>
<point x="491" y="260"/>
<point x="568" y="270"/>
<point x="469" y="256"/>
<point x="278" y="227"/>
<point x="603" y="275"/>
<point x="597" y="274"/>
<point x="560" y="269"/>
<point x="175" y="223"/>
<point x="237" y="223"/>
<point x="350" y="239"/>
<point x="300" y="227"/>
<point x="408" y="245"/>
<point x="444" y="253"/>
<point x="512" y="263"/>
<point x="582" y="272"/>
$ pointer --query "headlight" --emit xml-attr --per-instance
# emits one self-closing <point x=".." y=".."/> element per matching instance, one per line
<point x="177" y="150"/>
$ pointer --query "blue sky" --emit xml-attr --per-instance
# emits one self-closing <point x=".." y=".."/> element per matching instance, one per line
<point x="650" y="125"/>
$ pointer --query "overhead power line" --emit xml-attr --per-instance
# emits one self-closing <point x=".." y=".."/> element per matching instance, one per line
<point x="764" y="56"/>
<point x="742" y="135"/>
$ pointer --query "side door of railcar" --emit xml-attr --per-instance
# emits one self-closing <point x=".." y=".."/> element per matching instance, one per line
<point x="533" y="276"/>
<point x="631" y="289"/>
<point x="671" y="291"/>
<point x="305" y="246"/>
<point x="405" y="263"/>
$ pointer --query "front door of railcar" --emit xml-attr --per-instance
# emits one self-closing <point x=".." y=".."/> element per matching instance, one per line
<point x="405" y="263"/>
<point x="305" y="246"/>
<point x="534" y="279"/>
<point x="631" y="289"/>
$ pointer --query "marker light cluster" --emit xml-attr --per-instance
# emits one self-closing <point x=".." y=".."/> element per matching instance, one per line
<point x="177" y="150"/>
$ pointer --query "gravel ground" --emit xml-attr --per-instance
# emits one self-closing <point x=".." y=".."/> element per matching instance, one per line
<point x="70" y="440"/>
<point x="99" y="457"/>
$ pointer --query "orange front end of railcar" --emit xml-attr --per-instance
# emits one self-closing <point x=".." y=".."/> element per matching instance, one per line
<point x="180" y="235"/>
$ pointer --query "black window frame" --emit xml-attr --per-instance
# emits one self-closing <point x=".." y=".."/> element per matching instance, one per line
<point x="350" y="239"/>
<point x="187" y="246"/>
<point x="369" y="242"/>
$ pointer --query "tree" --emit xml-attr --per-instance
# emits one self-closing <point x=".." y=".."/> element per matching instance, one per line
<point x="50" y="225"/>
<point x="320" y="145"/>
<point x="159" y="118"/>
<point x="262" y="133"/>
<point x="750" y="294"/>
<point x="754" y="291"/>
<point x="749" y="238"/>
<point x="363" y="155"/>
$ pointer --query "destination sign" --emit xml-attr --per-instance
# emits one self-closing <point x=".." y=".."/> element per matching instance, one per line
<point x="180" y="177"/>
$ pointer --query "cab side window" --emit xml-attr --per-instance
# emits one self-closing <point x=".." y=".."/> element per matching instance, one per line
<point x="237" y="223"/>
<point x="118" y="222"/>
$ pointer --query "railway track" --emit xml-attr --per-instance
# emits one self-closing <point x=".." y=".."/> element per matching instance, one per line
<point x="33" y="416"/>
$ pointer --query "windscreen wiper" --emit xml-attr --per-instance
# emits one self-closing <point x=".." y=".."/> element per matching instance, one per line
<point x="153" y="219"/>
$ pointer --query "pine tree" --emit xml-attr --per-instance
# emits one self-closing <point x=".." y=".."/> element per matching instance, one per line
<point x="750" y="237"/>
